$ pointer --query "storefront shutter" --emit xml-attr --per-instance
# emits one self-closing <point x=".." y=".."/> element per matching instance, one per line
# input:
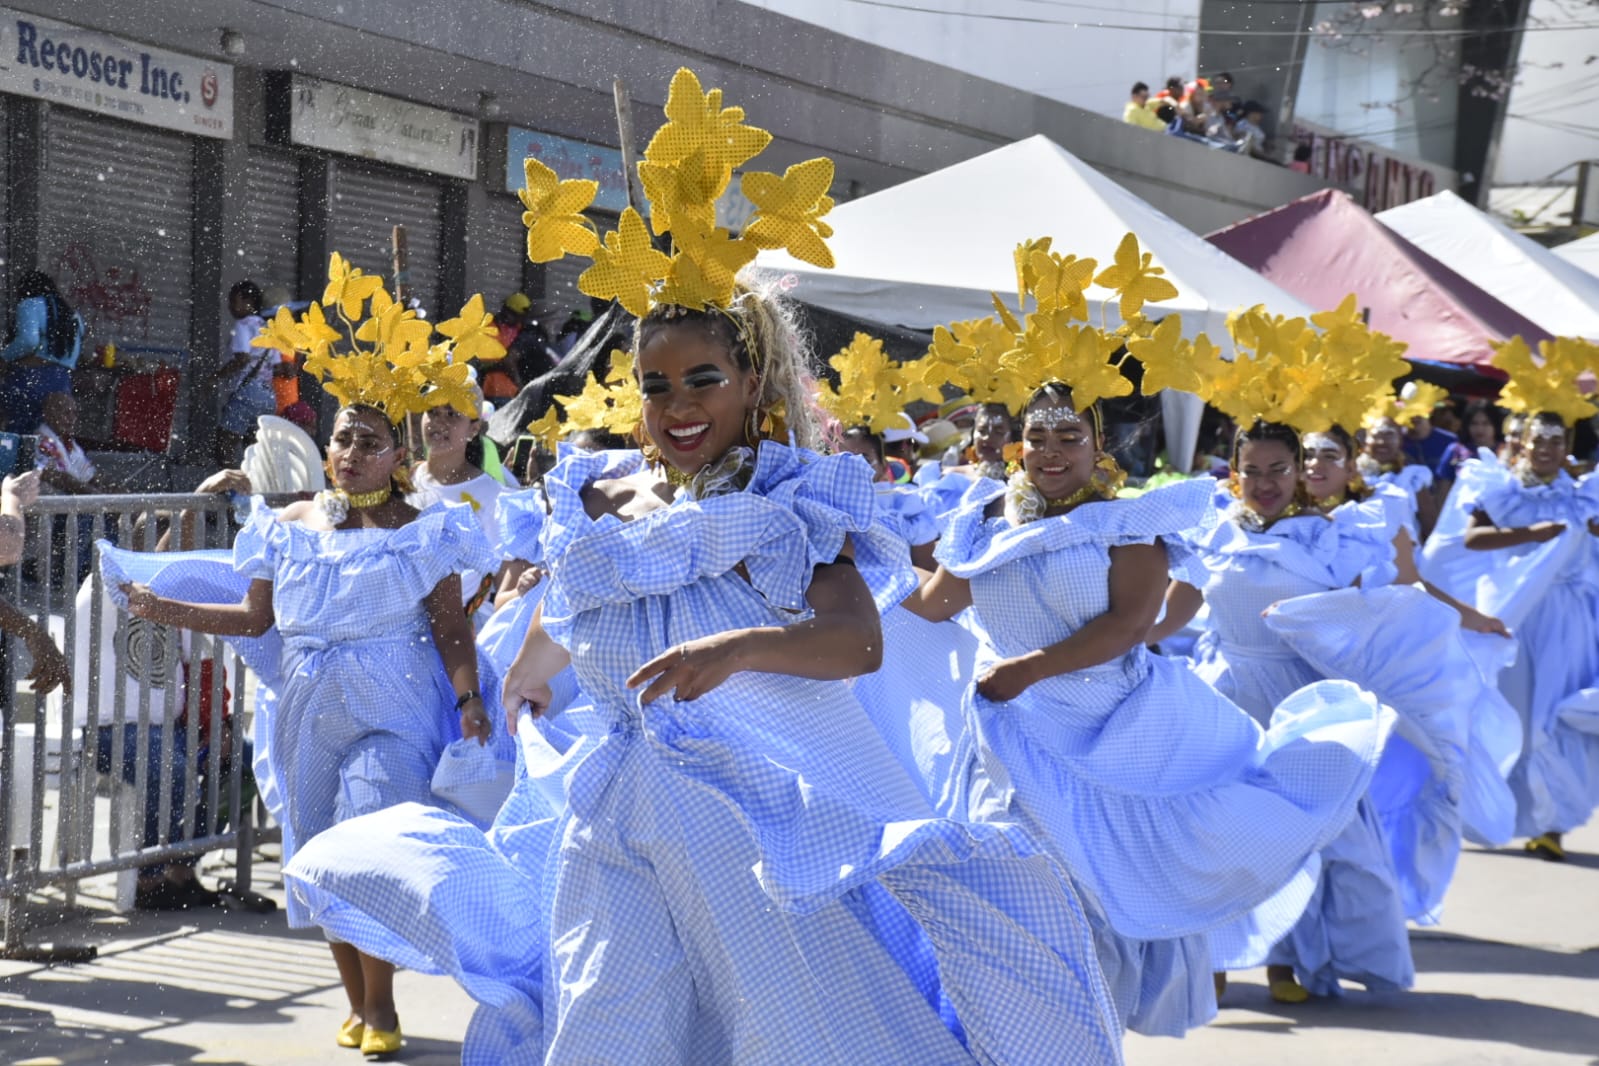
<point x="270" y="254"/>
<point x="368" y="203"/>
<point x="116" y="226"/>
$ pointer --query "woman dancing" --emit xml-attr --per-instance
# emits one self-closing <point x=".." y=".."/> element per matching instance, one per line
<point x="1172" y="809"/>
<point x="364" y="594"/>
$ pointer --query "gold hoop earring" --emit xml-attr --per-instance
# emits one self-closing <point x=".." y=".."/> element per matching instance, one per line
<point x="752" y="430"/>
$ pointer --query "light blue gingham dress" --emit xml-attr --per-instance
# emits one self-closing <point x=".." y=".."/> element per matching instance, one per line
<point x="1173" y="809"/>
<point x="1407" y="648"/>
<point x="747" y="877"/>
<point x="1354" y="924"/>
<point x="914" y="698"/>
<point x="363" y="708"/>
<point x="1549" y="595"/>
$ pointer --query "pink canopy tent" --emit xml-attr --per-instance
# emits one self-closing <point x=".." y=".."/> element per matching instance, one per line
<point x="1324" y="246"/>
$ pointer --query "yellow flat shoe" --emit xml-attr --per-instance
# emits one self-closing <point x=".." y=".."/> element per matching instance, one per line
<point x="1220" y="981"/>
<point x="380" y="1043"/>
<point x="351" y="1032"/>
<point x="1546" y="847"/>
<point x="1288" y="991"/>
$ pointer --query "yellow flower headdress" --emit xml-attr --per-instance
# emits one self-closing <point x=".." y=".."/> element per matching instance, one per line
<point x="1550" y="382"/>
<point x="379" y="353"/>
<point x="1007" y="356"/>
<point x="611" y="403"/>
<point x="1283" y="370"/>
<point x="686" y="168"/>
<point x="1415" y="400"/>
<point x="868" y="390"/>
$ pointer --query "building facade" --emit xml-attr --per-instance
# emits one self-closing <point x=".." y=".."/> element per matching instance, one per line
<point x="158" y="151"/>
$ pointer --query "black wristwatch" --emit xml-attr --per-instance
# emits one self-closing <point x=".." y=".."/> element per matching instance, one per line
<point x="467" y="697"/>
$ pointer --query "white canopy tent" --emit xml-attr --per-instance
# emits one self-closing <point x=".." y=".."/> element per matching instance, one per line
<point x="1582" y="253"/>
<point x="1510" y="266"/>
<point x="931" y="250"/>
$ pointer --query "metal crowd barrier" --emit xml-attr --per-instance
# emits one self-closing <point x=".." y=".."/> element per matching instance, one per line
<point x="61" y="818"/>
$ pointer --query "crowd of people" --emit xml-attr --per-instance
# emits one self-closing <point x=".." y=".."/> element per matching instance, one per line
<point x="1204" y="110"/>
<point x="843" y="734"/>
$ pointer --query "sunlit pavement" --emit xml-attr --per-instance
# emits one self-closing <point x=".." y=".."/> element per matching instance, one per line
<point x="211" y="986"/>
<point x="1510" y="976"/>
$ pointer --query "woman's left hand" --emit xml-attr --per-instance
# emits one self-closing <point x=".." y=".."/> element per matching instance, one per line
<point x="691" y="669"/>
<point x="1005" y="680"/>
<point x="475" y="722"/>
<point x="1474" y="621"/>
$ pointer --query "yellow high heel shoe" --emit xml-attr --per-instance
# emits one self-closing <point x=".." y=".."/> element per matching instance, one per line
<point x="381" y="1043"/>
<point x="351" y="1032"/>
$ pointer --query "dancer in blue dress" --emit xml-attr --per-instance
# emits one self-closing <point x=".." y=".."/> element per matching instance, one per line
<point x="1172" y="808"/>
<point x="1538" y="527"/>
<point x="1421" y="656"/>
<point x="1271" y="546"/>
<point x="362" y="601"/>
<point x="378" y="670"/>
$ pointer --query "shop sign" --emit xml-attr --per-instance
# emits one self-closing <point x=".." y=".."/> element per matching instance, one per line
<point x="339" y="118"/>
<point x="64" y="64"/>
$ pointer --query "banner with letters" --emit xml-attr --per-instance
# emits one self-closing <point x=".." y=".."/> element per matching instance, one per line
<point x="339" y="118"/>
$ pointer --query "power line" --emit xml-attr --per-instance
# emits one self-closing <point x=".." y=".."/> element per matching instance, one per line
<point x="1326" y="35"/>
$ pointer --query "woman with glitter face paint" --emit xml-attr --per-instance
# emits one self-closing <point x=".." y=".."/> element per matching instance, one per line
<point x="1166" y="803"/>
<point x="1274" y="545"/>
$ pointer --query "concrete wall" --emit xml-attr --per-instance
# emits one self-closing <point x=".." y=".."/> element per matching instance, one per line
<point x="883" y="115"/>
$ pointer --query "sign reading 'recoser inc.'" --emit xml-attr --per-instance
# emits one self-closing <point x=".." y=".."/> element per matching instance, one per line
<point x="337" y="118"/>
<point x="65" y="64"/>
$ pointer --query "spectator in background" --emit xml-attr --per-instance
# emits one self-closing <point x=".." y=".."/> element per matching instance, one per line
<point x="1172" y="93"/>
<point x="1254" y="113"/>
<point x="65" y="469"/>
<point x="244" y="382"/>
<point x="572" y="330"/>
<point x="302" y="415"/>
<point x="286" y="371"/>
<point x="1302" y="156"/>
<point x="1195" y="106"/>
<point x="500" y="379"/>
<point x="1137" y="112"/>
<point x="41" y="352"/>
<point x="1482" y="426"/>
<point x="1436" y="449"/>
<point x="1221" y="91"/>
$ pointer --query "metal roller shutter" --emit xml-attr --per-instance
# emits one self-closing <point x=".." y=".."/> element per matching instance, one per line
<point x="5" y="204"/>
<point x="504" y="254"/>
<point x="561" y="296"/>
<point x="271" y="252"/>
<point x="116" y="226"/>
<point x="368" y="204"/>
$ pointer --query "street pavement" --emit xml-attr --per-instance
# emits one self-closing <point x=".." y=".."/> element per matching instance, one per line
<point x="1510" y="976"/>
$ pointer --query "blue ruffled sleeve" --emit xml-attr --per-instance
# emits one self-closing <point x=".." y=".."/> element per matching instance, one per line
<point x="258" y="544"/>
<point x="521" y="518"/>
<point x="834" y="497"/>
<point x="976" y="544"/>
<point x="906" y="515"/>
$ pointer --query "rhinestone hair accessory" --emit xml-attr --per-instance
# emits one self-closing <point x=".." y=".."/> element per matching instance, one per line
<point x="1051" y="417"/>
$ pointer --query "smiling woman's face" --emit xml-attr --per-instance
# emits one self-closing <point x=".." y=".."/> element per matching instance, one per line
<point x="1058" y="448"/>
<point x="697" y="400"/>
<point x="1326" y="466"/>
<point x="1267" y="474"/>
